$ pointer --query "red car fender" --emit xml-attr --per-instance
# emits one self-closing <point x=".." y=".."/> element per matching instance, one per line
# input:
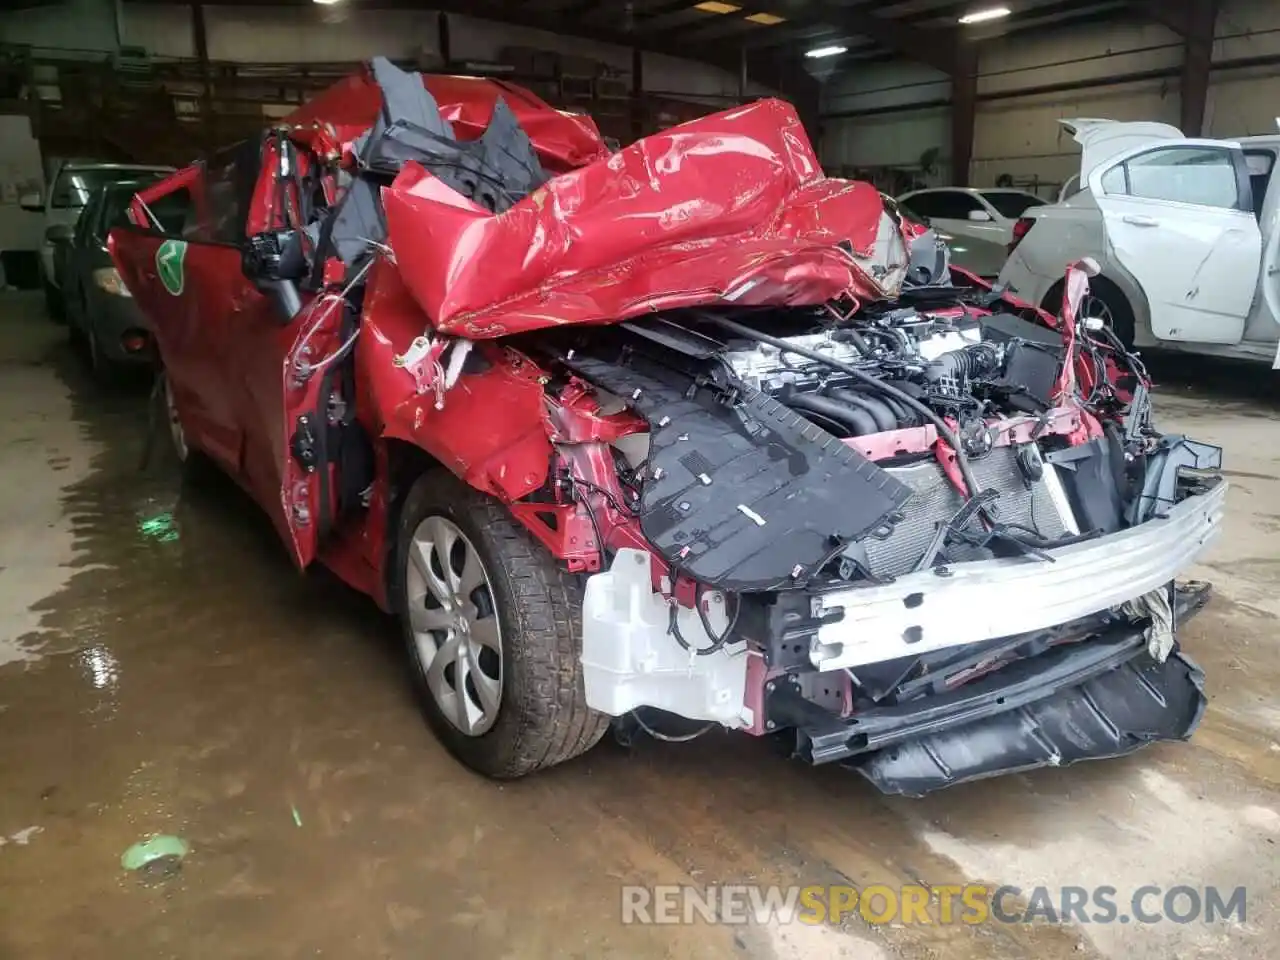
<point x="490" y="431"/>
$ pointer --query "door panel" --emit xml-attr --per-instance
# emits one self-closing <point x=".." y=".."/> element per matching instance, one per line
<point x="948" y="212"/>
<point x="1178" y="218"/>
<point x="285" y="417"/>
<point x="284" y="413"/>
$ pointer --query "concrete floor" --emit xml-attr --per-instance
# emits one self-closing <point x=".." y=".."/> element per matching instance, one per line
<point x="197" y="686"/>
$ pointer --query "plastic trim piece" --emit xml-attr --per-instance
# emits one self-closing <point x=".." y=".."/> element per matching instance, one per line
<point x="1111" y="713"/>
<point x="970" y="602"/>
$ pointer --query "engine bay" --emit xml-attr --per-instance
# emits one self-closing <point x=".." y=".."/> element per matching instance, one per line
<point x="861" y="446"/>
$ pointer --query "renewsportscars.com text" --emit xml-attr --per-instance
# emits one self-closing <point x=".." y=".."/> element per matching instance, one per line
<point x="942" y="904"/>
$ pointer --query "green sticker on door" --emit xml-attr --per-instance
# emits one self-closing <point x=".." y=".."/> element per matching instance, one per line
<point x="170" y="258"/>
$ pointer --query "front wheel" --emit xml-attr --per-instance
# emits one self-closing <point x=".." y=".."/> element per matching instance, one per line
<point x="493" y="630"/>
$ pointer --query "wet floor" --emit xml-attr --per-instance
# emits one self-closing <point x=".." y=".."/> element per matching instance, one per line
<point x="163" y="670"/>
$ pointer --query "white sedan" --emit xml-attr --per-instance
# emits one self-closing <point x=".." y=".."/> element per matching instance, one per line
<point x="1179" y="228"/>
<point x="966" y="212"/>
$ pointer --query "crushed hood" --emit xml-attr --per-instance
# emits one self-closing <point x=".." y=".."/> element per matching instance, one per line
<point x="563" y="140"/>
<point x="733" y="207"/>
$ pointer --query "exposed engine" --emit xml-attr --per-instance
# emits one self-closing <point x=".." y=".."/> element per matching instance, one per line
<point x="960" y="367"/>
<point x="886" y="506"/>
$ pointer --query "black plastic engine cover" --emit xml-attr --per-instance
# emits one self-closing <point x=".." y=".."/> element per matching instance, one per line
<point x="745" y="496"/>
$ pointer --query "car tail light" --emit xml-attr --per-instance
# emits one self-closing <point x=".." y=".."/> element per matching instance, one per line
<point x="1020" y="230"/>
<point x="135" y="341"/>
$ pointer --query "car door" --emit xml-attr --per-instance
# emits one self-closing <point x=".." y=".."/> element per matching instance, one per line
<point x="185" y="285"/>
<point x="957" y="212"/>
<point x="285" y="415"/>
<point x="1178" y="216"/>
<point x="76" y="275"/>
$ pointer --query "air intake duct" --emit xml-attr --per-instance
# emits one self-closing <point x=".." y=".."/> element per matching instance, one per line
<point x="981" y="360"/>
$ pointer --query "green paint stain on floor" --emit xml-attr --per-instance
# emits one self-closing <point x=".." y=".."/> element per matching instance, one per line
<point x="161" y="527"/>
<point x="158" y="850"/>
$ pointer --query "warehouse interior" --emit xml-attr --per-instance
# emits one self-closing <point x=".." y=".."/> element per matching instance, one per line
<point x="206" y="751"/>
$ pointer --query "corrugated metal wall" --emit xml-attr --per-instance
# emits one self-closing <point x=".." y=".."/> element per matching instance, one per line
<point x="1018" y="134"/>
<point x="273" y="34"/>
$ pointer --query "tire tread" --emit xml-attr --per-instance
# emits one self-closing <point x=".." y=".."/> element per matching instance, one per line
<point x="554" y="723"/>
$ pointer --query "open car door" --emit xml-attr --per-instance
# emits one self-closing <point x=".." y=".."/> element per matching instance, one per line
<point x="1178" y="215"/>
<point x="295" y="397"/>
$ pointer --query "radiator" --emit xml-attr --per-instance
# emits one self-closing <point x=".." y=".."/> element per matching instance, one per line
<point x="935" y="501"/>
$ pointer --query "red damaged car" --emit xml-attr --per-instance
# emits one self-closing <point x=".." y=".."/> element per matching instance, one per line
<point x="678" y="436"/>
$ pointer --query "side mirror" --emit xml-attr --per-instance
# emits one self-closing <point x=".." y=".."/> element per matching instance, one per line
<point x="275" y="256"/>
<point x="979" y="216"/>
<point x="59" y="233"/>
<point x="275" y="262"/>
<point x="31" y="202"/>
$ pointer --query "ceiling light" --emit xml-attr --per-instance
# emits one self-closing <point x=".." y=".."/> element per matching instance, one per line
<point x="817" y="52"/>
<point x="713" y="6"/>
<point x="326" y="3"/>
<point x="766" y="19"/>
<point x="982" y="16"/>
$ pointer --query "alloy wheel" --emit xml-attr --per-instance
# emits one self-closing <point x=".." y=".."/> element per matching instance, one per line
<point x="1094" y="308"/>
<point x="455" y="625"/>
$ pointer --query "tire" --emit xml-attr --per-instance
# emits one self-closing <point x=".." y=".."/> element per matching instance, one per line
<point x="195" y="466"/>
<point x="54" y="304"/>
<point x="1115" y="303"/>
<point x="533" y="614"/>
<point x="104" y="372"/>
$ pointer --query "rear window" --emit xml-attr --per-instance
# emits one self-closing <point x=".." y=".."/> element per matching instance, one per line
<point x="1200" y="175"/>
<point x="1012" y="205"/>
<point x="941" y="204"/>
<point x="115" y="209"/>
<point x="75" y="186"/>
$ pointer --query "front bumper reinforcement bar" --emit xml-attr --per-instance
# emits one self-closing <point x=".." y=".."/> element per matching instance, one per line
<point x="972" y="602"/>
<point x="1103" y="697"/>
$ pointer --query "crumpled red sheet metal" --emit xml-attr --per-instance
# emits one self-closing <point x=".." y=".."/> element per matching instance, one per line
<point x="563" y="140"/>
<point x="730" y="207"/>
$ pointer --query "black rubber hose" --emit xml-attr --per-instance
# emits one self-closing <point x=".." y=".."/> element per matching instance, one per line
<point x="964" y="364"/>
<point x="858" y="422"/>
<point x="944" y="431"/>
<point x="854" y="337"/>
<point x="906" y="416"/>
<point x="900" y="338"/>
<point x="880" y="411"/>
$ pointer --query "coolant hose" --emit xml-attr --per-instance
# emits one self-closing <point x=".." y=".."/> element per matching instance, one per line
<point x="944" y="431"/>
<point x="853" y="336"/>
<point x="859" y="422"/>
<point x="880" y="411"/>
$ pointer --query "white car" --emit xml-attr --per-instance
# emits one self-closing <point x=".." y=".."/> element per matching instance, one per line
<point x="69" y="190"/>
<point x="1179" y="228"/>
<point x="966" y="212"/>
<point x="982" y="257"/>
